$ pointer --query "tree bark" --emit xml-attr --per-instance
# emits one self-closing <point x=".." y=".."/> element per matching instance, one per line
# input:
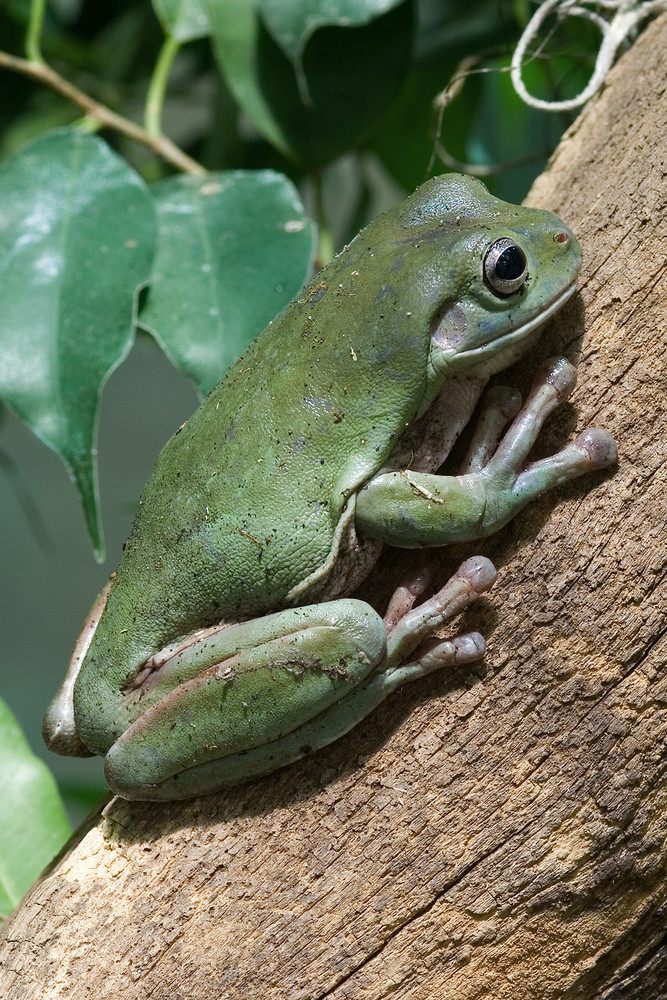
<point x="496" y="831"/>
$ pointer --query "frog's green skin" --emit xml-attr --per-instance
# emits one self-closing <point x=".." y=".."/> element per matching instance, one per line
<point x="254" y="504"/>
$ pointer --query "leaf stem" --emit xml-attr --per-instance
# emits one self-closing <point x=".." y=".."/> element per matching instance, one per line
<point x="159" y="144"/>
<point x="33" y="38"/>
<point x="158" y="86"/>
<point x="325" y="249"/>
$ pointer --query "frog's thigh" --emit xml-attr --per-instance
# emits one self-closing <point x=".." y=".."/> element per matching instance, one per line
<point x="318" y="732"/>
<point x="316" y="656"/>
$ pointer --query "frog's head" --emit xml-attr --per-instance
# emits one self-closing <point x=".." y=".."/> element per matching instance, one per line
<point x="488" y="274"/>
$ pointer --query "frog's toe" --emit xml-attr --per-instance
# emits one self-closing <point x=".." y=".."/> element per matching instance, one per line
<point x="560" y="374"/>
<point x="599" y="447"/>
<point x="453" y="652"/>
<point x="500" y="405"/>
<point x="593" y="449"/>
<point x="553" y="383"/>
<point x="456" y="652"/>
<point x="405" y="595"/>
<point x="479" y="572"/>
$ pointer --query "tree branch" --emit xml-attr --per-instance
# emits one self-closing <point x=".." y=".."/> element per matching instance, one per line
<point x="160" y="144"/>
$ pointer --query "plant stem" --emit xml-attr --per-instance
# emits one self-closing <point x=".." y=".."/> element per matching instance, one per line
<point x="33" y="38"/>
<point x="158" y="86"/>
<point x="159" y="144"/>
<point x="325" y="250"/>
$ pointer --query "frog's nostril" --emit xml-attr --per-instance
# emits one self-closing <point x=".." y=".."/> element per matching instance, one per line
<point x="561" y="237"/>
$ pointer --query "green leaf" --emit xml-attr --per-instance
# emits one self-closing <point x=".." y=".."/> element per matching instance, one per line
<point x="234" y="248"/>
<point x="185" y="20"/>
<point x="292" y="22"/>
<point x="235" y="28"/>
<point x="77" y="231"/>
<point x="349" y="77"/>
<point x="34" y="825"/>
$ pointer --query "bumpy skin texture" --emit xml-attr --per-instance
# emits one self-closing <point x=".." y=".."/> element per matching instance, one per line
<point x="244" y="510"/>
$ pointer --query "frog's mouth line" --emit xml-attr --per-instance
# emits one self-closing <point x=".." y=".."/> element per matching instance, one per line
<point x="493" y="346"/>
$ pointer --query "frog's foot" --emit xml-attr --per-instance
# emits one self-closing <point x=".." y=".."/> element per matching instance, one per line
<point x="414" y="509"/>
<point x="408" y="640"/>
<point x="411" y="649"/>
<point x="593" y="449"/>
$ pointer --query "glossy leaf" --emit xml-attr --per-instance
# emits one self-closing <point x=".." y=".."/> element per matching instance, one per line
<point x="234" y="248"/>
<point x="236" y="30"/>
<point x="292" y="22"/>
<point x="77" y="230"/>
<point x="185" y="20"/>
<point x="345" y="81"/>
<point x="34" y="825"/>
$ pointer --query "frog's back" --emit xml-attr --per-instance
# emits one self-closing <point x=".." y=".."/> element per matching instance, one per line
<point x="244" y="501"/>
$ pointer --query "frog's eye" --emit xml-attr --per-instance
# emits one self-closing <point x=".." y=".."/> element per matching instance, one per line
<point x="505" y="267"/>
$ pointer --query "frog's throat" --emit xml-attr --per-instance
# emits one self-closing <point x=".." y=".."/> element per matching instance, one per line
<point x="511" y="345"/>
<point x="325" y="568"/>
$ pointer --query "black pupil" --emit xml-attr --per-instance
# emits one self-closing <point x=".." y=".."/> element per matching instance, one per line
<point x="511" y="264"/>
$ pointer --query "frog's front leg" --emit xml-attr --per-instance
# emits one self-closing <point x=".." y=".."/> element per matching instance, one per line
<point x="413" y="509"/>
<point x="244" y="700"/>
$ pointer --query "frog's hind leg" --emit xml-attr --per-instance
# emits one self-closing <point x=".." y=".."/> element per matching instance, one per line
<point x="410" y="655"/>
<point x="229" y="689"/>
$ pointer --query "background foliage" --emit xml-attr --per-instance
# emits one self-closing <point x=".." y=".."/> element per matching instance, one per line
<point x="162" y="169"/>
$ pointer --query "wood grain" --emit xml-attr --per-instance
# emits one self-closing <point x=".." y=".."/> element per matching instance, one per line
<point x="490" y="832"/>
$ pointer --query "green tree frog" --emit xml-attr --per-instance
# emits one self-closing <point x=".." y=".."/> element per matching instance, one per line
<point x="227" y="645"/>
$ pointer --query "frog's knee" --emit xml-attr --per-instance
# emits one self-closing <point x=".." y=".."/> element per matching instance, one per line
<point x="362" y="626"/>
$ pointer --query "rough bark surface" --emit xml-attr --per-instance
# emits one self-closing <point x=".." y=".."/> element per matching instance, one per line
<point x="490" y="832"/>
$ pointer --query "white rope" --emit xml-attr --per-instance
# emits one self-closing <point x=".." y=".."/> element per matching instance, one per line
<point x="628" y="14"/>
